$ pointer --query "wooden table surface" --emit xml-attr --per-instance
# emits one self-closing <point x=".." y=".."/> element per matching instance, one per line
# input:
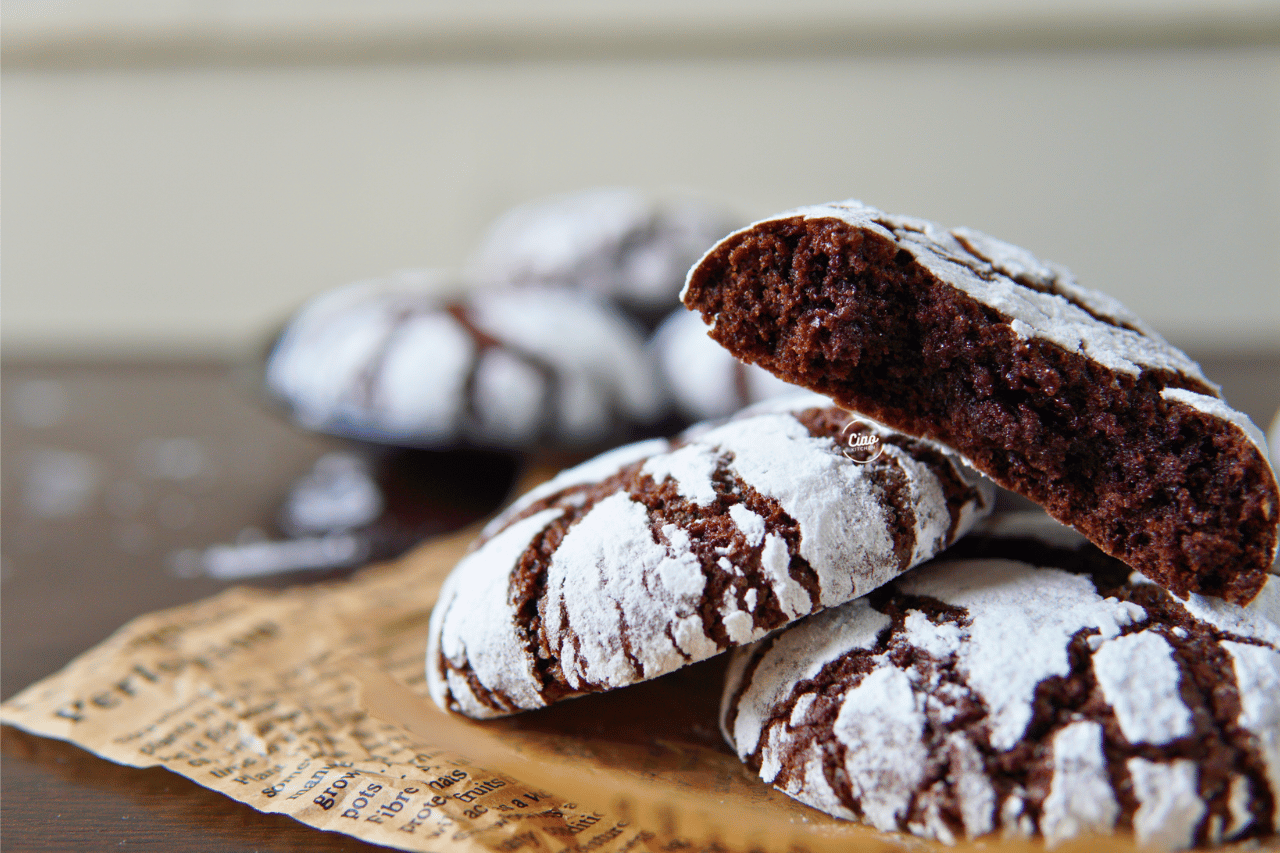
<point x="110" y="473"/>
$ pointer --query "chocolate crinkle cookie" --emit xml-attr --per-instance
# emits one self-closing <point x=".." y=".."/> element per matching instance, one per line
<point x="662" y="553"/>
<point x="627" y="245"/>
<point x="396" y="361"/>
<point x="703" y="379"/>
<point x="1054" y="391"/>
<point x="1023" y="685"/>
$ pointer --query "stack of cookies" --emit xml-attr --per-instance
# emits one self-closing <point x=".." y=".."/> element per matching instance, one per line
<point x="901" y="655"/>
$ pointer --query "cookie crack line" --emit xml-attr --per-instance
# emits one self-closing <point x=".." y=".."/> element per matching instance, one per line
<point x="663" y="553"/>
<point x="1141" y="726"/>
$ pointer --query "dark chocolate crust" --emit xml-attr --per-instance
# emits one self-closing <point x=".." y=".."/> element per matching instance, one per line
<point x="1182" y="496"/>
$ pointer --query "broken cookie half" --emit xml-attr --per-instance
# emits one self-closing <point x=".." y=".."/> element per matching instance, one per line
<point x="1052" y="390"/>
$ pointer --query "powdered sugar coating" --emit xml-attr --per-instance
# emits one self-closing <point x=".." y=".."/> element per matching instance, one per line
<point x="662" y="589"/>
<point x="1169" y="808"/>
<point x="881" y="724"/>
<point x="971" y="787"/>
<point x="751" y="524"/>
<point x="1018" y="711"/>
<point x="1257" y="671"/>
<point x="481" y="583"/>
<point x="1140" y="679"/>
<point x="778" y="457"/>
<point x="703" y="378"/>
<point x="595" y="468"/>
<point x="997" y="595"/>
<point x="398" y="360"/>
<point x="659" y="561"/>
<point x="691" y="468"/>
<point x="1080" y="799"/>
<point x="1259" y="618"/>
<point x="616" y="242"/>
<point x="1019" y="286"/>
<point x="799" y="656"/>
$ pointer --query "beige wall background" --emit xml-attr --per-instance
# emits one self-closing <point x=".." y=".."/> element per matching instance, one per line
<point x="179" y="176"/>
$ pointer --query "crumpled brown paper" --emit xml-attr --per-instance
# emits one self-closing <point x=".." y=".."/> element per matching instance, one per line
<point x="311" y="702"/>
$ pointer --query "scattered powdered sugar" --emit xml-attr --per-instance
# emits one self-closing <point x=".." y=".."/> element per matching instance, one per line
<point x="1169" y="808"/>
<point x="59" y="483"/>
<point x="997" y="594"/>
<point x="1080" y="798"/>
<point x="260" y="558"/>
<point x="1140" y="680"/>
<point x="338" y="493"/>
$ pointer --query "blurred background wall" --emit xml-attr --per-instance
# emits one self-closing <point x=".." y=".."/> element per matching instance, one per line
<point x="178" y="176"/>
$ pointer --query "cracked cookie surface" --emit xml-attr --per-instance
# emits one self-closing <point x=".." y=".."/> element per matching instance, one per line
<point x="395" y="361"/>
<point x="663" y="553"/>
<point x="1025" y="686"/>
